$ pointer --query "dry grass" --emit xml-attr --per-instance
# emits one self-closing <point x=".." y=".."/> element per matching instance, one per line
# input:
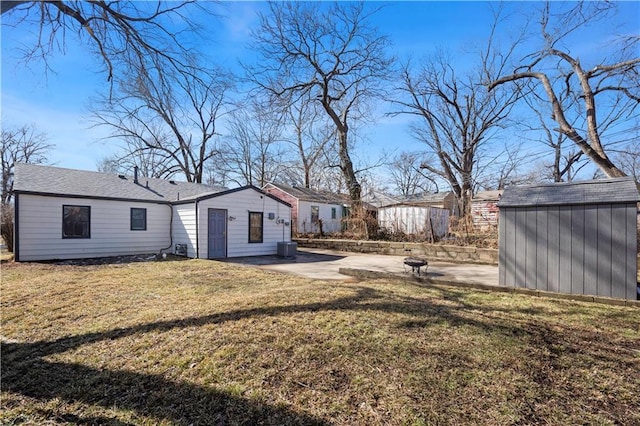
<point x="200" y="342"/>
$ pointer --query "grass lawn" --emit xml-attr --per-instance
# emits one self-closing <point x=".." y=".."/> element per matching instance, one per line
<point x="202" y="342"/>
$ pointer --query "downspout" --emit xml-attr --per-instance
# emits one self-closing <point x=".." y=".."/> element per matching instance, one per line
<point x="197" y="232"/>
<point x="170" y="231"/>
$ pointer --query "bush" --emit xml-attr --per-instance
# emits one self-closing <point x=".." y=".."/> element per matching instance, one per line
<point x="6" y="226"/>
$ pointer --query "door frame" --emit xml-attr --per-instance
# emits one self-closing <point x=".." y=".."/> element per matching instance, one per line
<point x="225" y="233"/>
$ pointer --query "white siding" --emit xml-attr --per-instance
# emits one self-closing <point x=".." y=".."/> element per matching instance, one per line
<point x="238" y="205"/>
<point x="414" y="220"/>
<point x="40" y="228"/>
<point x="329" y="225"/>
<point x="184" y="227"/>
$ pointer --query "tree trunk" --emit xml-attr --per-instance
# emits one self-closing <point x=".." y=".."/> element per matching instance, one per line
<point x="355" y="190"/>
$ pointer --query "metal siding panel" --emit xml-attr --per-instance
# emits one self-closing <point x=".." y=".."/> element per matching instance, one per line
<point x="631" y="252"/>
<point x="568" y="278"/>
<point x="502" y="240"/>
<point x="509" y="246"/>
<point x="530" y="248"/>
<point x="542" y="253"/>
<point x="590" y="250"/>
<point x="619" y="240"/>
<point x="553" y="249"/>
<point x="604" y="250"/>
<point x="519" y="251"/>
<point x="511" y="257"/>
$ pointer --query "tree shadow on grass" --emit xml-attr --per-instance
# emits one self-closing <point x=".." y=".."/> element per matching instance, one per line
<point x="26" y="372"/>
<point x="150" y="396"/>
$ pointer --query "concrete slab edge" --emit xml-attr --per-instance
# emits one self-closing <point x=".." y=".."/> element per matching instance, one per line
<point x="367" y="274"/>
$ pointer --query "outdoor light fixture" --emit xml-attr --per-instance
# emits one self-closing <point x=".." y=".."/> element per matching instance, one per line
<point x="232" y="218"/>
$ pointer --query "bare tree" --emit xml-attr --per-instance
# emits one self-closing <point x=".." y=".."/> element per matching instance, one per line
<point x="150" y="163"/>
<point x="252" y="154"/>
<point x="407" y="175"/>
<point x="607" y="93"/>
<point x="457" y="117"/>
<point x="629" y="159"/>
<point x="113" y="28"/>
<point x="329" y="52"/>
<point x="166" y="116"/>
<point x="311" y="137"/>
<point x="19" y="145"/>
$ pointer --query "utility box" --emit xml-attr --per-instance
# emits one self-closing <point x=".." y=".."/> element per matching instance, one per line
<point x="286" y="249"/>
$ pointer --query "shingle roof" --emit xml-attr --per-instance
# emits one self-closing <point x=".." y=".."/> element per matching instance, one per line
<point x="306" y="194"/>
<point x="488" y="195"/>
<point x="419" y="200"/>
<point x="379" y="199"/>
<point x="31" y="178"/>
<point x="616" y="190"/>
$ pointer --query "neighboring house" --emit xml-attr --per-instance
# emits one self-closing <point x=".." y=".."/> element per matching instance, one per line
<point x="66" y="214"/>
<point x="484" y="209"/>
<point x="444" y="200"/>
<point x="309" y="207"/>
<point x="378" y="199"/>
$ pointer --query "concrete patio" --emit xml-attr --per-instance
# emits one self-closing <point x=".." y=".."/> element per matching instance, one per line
<point x="325" y="264"/>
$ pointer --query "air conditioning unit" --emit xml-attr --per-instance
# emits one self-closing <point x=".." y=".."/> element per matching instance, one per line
<point x="180" y="249"/>
<point x="286" y="249"/>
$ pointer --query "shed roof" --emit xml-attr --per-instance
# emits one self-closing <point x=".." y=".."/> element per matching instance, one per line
<point x="39" y="179"/>
<point x="603" y="191"/>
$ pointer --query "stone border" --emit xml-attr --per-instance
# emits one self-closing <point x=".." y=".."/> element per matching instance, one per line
<point x="446" y="253"/>
<point x="367" y="274"/>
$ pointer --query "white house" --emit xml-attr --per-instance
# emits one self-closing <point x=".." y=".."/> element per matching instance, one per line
<point x="68" y="214"/>
<point x="311" y="207"/>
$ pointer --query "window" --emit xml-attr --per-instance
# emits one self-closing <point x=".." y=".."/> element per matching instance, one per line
<point x="138" y="219"/>
<point x="255" y="227"/>
<point x="76" y="221"/>
<point x="315" y="214"/>
<point x="333" y="213"/>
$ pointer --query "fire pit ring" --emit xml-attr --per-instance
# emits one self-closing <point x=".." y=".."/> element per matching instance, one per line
<point x="416" y="263"/>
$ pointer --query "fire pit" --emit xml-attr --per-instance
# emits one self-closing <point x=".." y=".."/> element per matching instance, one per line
<point x="416" y="263"/>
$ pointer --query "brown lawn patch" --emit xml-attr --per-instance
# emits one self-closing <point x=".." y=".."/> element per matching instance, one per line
<point x="201" y="342"/>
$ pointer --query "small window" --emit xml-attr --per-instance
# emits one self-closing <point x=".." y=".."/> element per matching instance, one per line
<point x="315" y="214"/>
<point x="255" y="227"/>
<point x="76" y="221"/>
<point x="333" y="213"/>
<point x="138" y="219"/>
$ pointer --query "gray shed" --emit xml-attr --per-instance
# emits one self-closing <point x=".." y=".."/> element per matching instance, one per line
<point x="577" y="238"/>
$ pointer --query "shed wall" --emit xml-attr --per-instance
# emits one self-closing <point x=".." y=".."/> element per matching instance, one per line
<point x="40" y="229"/>
<point x="586" y="249"/>
<point x="414" y="219"/>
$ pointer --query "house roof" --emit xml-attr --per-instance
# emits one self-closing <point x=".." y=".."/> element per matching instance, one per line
<point x="424" y="199"/>
<point x="48" y="180"/>
<point x="488" y="195"/>
<point x="306" y="194"/>
<point x="379" y="199"/>
<point x="604" y="191"/>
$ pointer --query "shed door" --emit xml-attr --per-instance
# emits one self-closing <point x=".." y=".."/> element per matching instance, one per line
<point x="217" y="234"/>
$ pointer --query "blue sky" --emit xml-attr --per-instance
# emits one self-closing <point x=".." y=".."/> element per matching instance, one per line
<point x="56" y="101"/>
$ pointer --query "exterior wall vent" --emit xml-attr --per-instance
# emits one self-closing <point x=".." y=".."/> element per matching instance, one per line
<point x="180" y="249"/>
